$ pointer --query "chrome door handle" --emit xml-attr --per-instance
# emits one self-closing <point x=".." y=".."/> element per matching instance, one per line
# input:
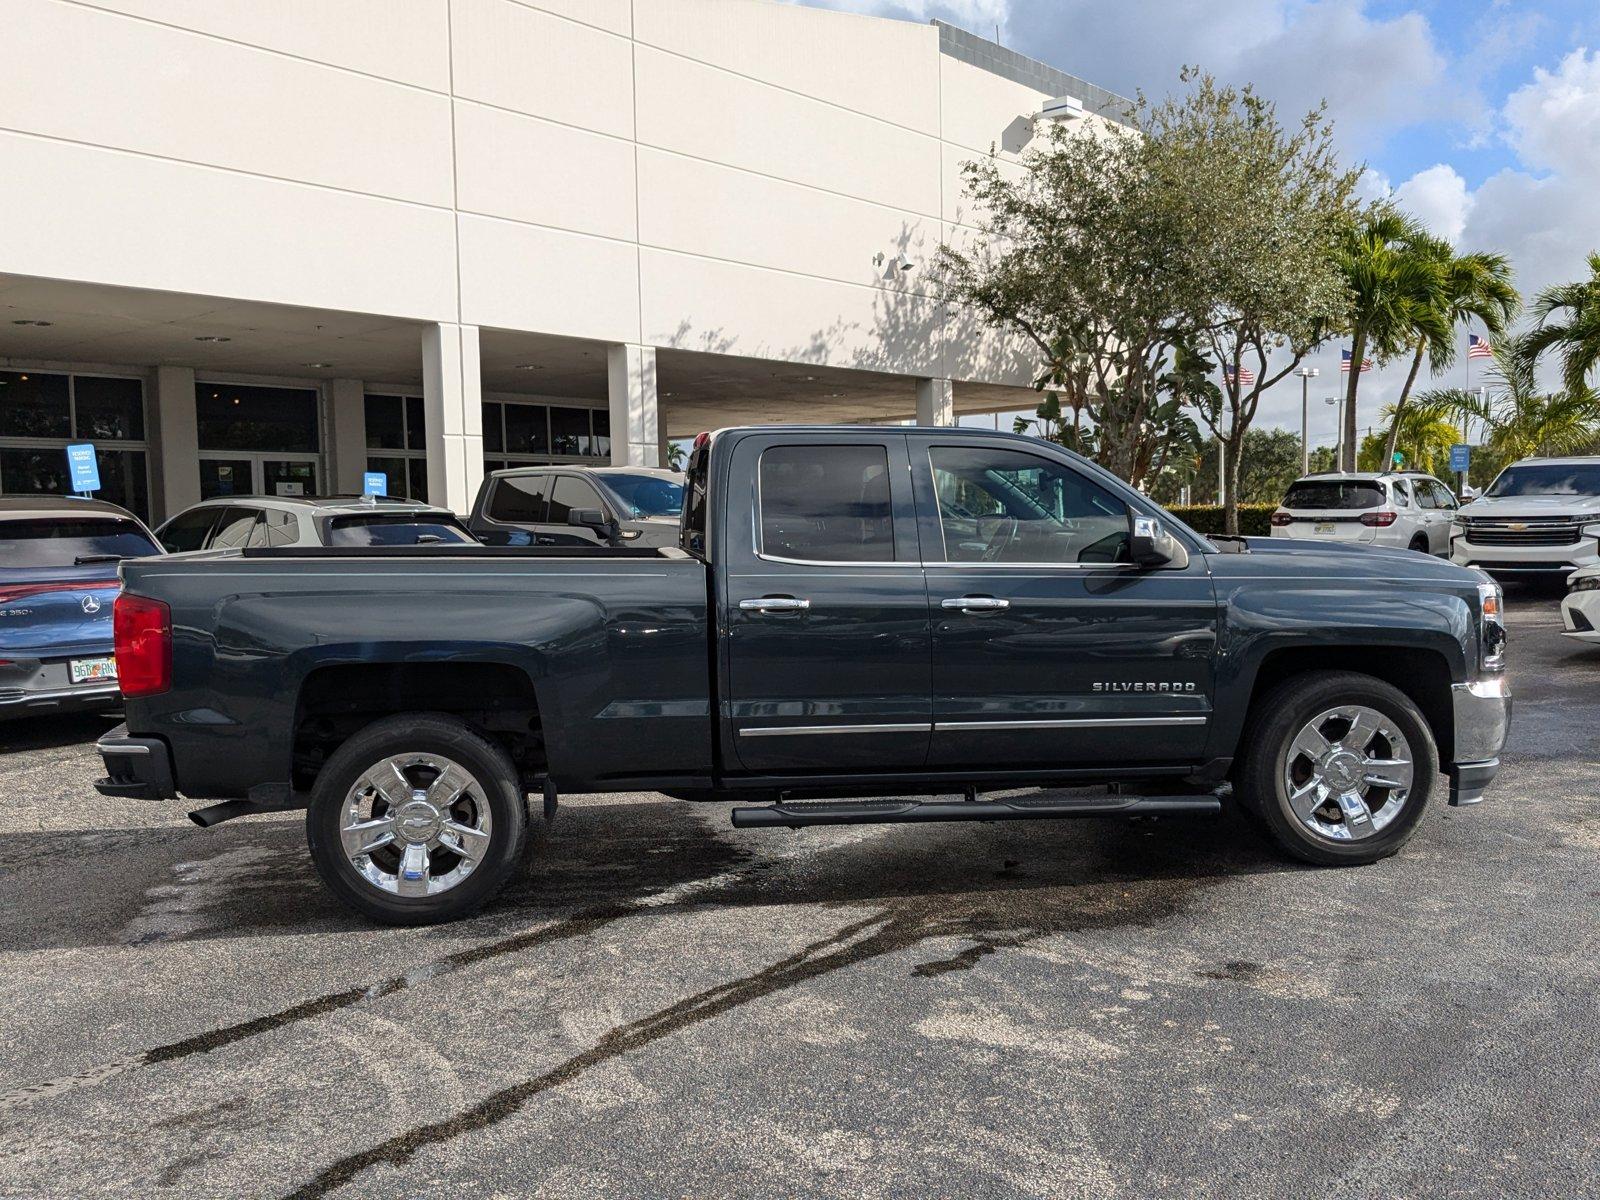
<point x="975" y="603"/>
<point x="774" y="604"/>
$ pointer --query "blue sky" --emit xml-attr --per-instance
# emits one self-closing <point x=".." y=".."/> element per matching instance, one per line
<point x="1482" y="117"/>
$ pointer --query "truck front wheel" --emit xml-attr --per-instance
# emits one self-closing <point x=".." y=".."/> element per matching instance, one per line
<point x="1338" y="766"/>
<point x="417" y="819"/>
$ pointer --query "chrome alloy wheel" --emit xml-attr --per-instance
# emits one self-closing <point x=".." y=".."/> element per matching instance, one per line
<point x="415" y="824"/>
<point x="1348" y="773"/>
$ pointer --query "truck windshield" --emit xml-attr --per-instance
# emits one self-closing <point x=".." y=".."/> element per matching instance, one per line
<point x="396" y="530"/>
<point x="1334" y="493"/>
<point x="64" y="541"/>
<point x="1548" y="479"/>
<point x="646" y="495"/>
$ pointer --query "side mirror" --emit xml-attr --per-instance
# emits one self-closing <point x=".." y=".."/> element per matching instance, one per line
<point x="1150" y="545"/>
<point x="595" y="519"/>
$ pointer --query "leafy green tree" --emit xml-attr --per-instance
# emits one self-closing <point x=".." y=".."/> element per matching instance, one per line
<point x="1394" y="289"/>
<point x="1473" y="286"/>
<point x="1519" y="419"/>
<point x="1270" y="463"/>
<point x="1576" y="337"/>
<point x="1422" y="436"/>
<point x="1116" y="247"/>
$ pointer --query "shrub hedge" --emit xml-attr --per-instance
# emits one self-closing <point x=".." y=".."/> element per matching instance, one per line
<point x="1255" y="520"/>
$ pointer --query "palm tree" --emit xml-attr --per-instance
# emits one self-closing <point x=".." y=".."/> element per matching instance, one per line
<point x="1576" y="339"/>
<point x="1423" y="434"/>
<point x="1393" y="290"/>
<point x="1521" y="421"/>
<point x="1474" y="285"/>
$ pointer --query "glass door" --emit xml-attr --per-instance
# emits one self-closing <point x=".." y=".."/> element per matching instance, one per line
<point x="257" y="475"/>
<point x="288" y="477"/>
<point x="226" y="477"/>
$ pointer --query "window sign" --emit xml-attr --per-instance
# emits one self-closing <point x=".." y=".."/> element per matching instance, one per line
<point x="85" y="470"/>
<point x="374" y="483"/>
<point x="1460" y="457"/>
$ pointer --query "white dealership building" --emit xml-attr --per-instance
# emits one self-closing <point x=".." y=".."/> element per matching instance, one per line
<point x="269" y="245"/>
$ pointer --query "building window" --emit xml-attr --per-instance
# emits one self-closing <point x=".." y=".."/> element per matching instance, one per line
<point x="42" y="412"/>
<point x="278" y="420"/>
<point x="517" y="433"/>
<point x="397" y="444"/>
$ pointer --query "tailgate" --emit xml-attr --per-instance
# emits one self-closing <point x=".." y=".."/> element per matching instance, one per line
<point x="58" y="611"/>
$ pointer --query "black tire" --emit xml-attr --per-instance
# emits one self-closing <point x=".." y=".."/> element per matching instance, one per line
<point x="1420" y="544"/>
<point x="419" y="733"/>
<point x="1278" y="717"/>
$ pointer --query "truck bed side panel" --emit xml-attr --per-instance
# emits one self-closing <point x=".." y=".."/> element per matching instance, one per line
<point x="616" y="650"/>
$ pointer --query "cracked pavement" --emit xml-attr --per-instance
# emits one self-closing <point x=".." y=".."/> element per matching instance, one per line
<point x="665" y="1006"/>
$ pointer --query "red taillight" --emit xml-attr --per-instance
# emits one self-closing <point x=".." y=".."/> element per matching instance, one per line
<point x="1281" y="518"/>
<point x="700" y="439"/>
<point x="141" y="631"/>
<point x="1378" y="518"/>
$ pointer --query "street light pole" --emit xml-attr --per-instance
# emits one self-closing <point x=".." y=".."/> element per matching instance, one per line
<point x="1307" y="374"/>
<point x="1338" y="435"/>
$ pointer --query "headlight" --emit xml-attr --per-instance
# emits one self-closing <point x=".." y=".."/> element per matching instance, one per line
<point x="1491" y="627"/>
<point x="1590" y="584"/>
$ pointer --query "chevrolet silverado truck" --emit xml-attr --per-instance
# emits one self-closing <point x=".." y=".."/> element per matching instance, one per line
<point x="857" y="625"/>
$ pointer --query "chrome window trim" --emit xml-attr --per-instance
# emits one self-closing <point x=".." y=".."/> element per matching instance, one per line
<point x="805" y="730"/>
<point x="1066" y="723"/>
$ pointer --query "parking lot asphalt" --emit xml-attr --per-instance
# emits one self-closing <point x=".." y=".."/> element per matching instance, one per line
<point x="666" y="1006"/>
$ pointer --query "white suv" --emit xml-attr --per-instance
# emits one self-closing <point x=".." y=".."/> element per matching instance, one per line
<point x="1540" y="516"/>
<point x="1404" y="509"/>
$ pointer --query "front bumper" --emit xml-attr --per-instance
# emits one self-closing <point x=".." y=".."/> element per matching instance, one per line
<point x="1516" y="560"/>
<point x="1482" y="711"/>
<point x="136" y="768"/>
<point x="1580" y="615"/>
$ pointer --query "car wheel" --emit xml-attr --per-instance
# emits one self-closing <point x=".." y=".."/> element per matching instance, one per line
<point x="1338" y="766"/>
<point x="417" y="819"/>
<point x="1420" y="544"/>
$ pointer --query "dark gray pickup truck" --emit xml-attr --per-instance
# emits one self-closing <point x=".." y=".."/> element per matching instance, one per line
<point x="859" y="625"/>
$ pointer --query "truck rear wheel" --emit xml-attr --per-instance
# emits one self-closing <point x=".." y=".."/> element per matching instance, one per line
<point x="417" y="819"/>
<point x="1338" y="766"/>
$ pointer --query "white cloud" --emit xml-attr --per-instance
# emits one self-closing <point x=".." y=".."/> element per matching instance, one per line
<point x="1438" y="197"/>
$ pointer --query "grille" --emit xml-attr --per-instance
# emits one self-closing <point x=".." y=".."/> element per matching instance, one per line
<point x="1564" y="533"/>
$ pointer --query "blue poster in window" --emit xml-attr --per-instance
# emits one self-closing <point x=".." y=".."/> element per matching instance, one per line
<point x="374" y="483"/>
<point x="84" y="469"/>
<point x="1460" y="457"/>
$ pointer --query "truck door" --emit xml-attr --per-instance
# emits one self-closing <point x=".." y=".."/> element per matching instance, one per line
<point x="823" y="611"/>
<point x="1050" y="650"/>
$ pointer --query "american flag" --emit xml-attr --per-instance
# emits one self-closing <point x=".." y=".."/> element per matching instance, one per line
<point x="1344" y="362"/>
<point x="1478" y="347"/>
<point x="1245" y="374"/>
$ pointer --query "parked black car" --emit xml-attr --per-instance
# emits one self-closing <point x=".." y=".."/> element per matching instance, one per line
<point x="58" y="581"/>
<point x="238" y="522"/>
<point x="857" y="625"/>
<point x="578" y="506"/>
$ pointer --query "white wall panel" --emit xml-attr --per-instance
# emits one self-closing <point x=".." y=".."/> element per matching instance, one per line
<point x="404" y="40"/>
<point x="139" y="86"/>
<point x="888" y="69"/>
<point x="516" y="57"/>
<point x="519" y="167"/>
<point x="697" y="304"/>
<point x="613" y="15"/>
<point x="181" y="228"/>
<point x="712" y="114"/>
<point x="517" y="276"/>
<point x="980" y="109"/>
<point x="701" y="208"/>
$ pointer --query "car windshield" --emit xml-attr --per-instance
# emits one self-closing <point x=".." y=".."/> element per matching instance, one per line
<point x="64" y="541"/>
<point x="1547" y="479"/>
<point x="396" y="530"/>
<point x="646" y="495"/>
<point x="1334" y="493"/>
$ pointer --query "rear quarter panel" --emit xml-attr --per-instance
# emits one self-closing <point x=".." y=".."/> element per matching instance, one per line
<point x="616" y="650"/>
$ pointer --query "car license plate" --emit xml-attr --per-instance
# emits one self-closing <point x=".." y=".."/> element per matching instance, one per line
<point x="93" y="670"/>
<point x="1323" y="527"/>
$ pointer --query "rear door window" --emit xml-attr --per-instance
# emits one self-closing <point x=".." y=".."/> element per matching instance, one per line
<point x="64" y="541"/>
<point x="1334" y="494"/>
<point x="569" y="493"/>
<point x="276" y="528"/>
<point x="234" y="529"/>
<point x="826" y="504"/>
<point x="519" y="499"/>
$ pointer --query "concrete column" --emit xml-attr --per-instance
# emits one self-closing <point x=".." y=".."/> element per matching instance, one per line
<point x="936" y="402"/>
<point x="347" y="423"/>
<point x="452" y="401"/>
<point x="174" y="439"/>
<point x="635" y="413"/>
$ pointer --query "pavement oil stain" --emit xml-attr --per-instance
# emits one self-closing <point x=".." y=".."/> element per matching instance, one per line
<point x="990" y="918"/>
<point x="1237" y="969"/>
